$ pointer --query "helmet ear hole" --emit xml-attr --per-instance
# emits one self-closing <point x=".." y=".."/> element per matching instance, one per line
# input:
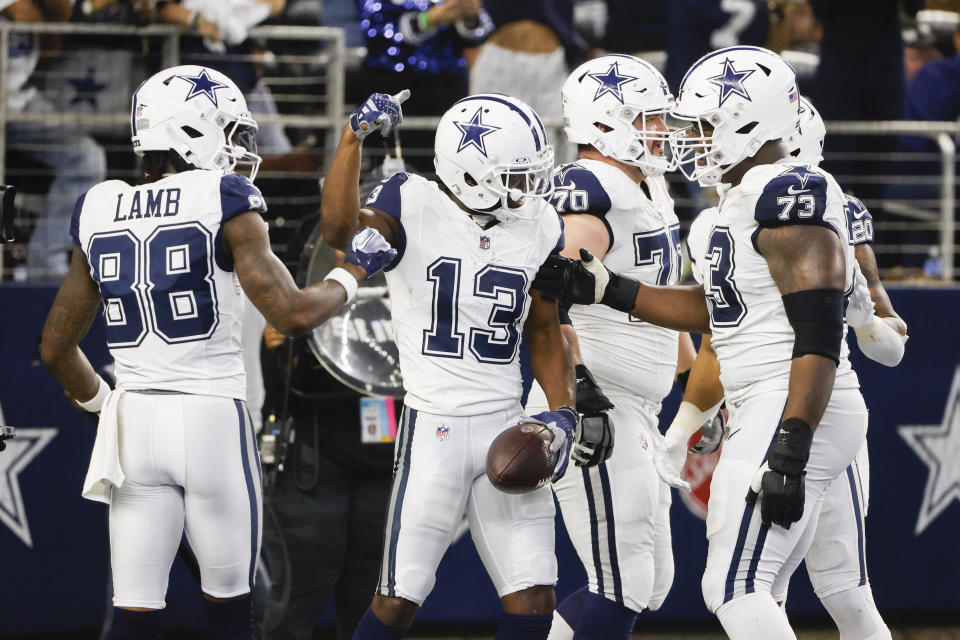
<point x="190" y="131"/>
<point x="747" y="128"/>
<point x="469" y="180"/>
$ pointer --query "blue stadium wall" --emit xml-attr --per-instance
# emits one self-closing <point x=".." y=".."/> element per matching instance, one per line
<point x="54" y="545"/>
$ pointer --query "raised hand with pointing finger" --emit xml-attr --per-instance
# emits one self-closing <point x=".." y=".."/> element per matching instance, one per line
<point x="380" y="112"/>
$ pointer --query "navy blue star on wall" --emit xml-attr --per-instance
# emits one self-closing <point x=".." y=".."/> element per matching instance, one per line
<point x="203" y="85"/>
<point x="730" y="81"/>
<point x="87" y="89"/>
<point x="474" y="131"/>
<point x="611" y="82"/>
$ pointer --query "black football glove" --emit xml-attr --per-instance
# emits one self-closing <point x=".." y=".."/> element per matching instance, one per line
<point x="779" y="482"/>
<point x="594" y="441"/>
<point x="584" y="281"/>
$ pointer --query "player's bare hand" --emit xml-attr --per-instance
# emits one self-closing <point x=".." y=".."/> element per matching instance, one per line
<point x="273" y="338"/>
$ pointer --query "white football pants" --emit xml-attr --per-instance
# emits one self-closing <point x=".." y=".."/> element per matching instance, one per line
<point x="191" y="465"/>
<point x="745" y="558"/>
<point x="439" y="476"/>
<point x="617" y="514"/>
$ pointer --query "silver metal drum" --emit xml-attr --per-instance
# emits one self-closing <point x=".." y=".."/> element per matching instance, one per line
<point x="356" y="346"/>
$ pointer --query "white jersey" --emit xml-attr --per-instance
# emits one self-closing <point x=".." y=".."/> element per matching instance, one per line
<point x="751" y="333"/>
<point x="626" y="355"/>
<point x="459" y="297"/>
<point x="172" y="302"/>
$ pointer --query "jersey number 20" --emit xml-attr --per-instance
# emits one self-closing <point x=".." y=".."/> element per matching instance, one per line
<point x="163" y="284"/>
<point x="494" y="344"/>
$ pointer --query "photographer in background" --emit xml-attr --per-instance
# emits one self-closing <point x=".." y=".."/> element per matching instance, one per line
<point x="325" y="493"/>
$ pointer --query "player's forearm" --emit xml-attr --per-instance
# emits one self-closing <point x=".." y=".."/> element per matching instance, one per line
<point x="317" y="304"/>
<point x="552" y="369"/>
<point x="681" y="308"/>
<point x="811" y="384"/>
<point x="571" y="343"/>
<point x="340" y="200"/>
<point x="73" y="371"/>
<point x="296" y="311"/>
<point x="703" y="386"/>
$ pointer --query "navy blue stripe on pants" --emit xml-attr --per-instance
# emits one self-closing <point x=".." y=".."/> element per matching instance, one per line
<point x="251" y="490"/>
<point x="409" y="426"/>
<point x="611" y="532"/>
<point x="858" y="517"/>
<point x="742" y="539"/>
<point x="594" y="533"/>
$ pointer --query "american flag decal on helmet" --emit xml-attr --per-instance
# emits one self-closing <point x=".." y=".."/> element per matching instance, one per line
<point x="792" y="96"/>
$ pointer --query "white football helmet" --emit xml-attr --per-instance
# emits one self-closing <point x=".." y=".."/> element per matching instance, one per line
<point x="806" y="143"/>
<point x="747" y="95"/>
<point x="200" y="114"/>
<point x="601" y="100"/>
<point x="492" y="153"/>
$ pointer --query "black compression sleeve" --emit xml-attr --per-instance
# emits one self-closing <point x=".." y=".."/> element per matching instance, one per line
<point x="816" y="316"/>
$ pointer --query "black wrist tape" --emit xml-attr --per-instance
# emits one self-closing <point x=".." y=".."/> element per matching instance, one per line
<point x="621" y="293"/>
<point x="791" y="447"/>
<point x="816" y="316"/>
<point x="564" y="313"/>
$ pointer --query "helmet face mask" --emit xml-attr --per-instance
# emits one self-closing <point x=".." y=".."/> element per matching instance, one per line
<point x="612" y="103"/>
<point x="748" y="95"/>
<point x="197" y="113"/>
<point x="491" y="153"/>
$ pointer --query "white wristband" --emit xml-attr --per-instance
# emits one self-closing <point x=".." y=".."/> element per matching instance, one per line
<point x="95" y="403"/>
<point x="690" y="418"/>
<point x="346" y="280"/>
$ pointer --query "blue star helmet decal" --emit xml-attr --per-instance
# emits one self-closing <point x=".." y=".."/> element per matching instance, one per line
<point x="730" y="82"/>
<point x="474" y="131"/>
<point x="802" y="173"/>
<point x="203" y="85"/>
<point x="611" y="82"/>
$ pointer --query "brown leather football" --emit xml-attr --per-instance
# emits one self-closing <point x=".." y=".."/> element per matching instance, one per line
<point x="519" y="459"/>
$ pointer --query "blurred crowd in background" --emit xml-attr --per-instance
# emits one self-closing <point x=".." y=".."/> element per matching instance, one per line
<point x="859" y="60"/>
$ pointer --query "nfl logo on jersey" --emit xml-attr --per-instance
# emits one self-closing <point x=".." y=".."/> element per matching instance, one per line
<point x="484" y="242"/>
<point x="443" y="432"/>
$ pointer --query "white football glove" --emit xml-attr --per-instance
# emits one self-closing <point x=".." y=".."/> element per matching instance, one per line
<point x="860" y="308"/>
<point x="669" y="458"/>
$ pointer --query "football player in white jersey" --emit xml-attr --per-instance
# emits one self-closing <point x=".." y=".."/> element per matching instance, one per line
<point x="170" y="261"/>
<point x="774" y="274"/>
<point x="460" y="296"/>
<point x="836" y="559"/>
<point x="615" y="203"/>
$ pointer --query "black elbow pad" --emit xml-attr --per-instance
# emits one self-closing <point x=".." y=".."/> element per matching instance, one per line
<point x="816" y="316"/>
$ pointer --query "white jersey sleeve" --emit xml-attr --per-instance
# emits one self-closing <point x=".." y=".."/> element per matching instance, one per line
<point x="171" y="301"/>
<point x="751" y="333"/>
<point x="459" y="296"/>
<point x="626" y="356"/>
